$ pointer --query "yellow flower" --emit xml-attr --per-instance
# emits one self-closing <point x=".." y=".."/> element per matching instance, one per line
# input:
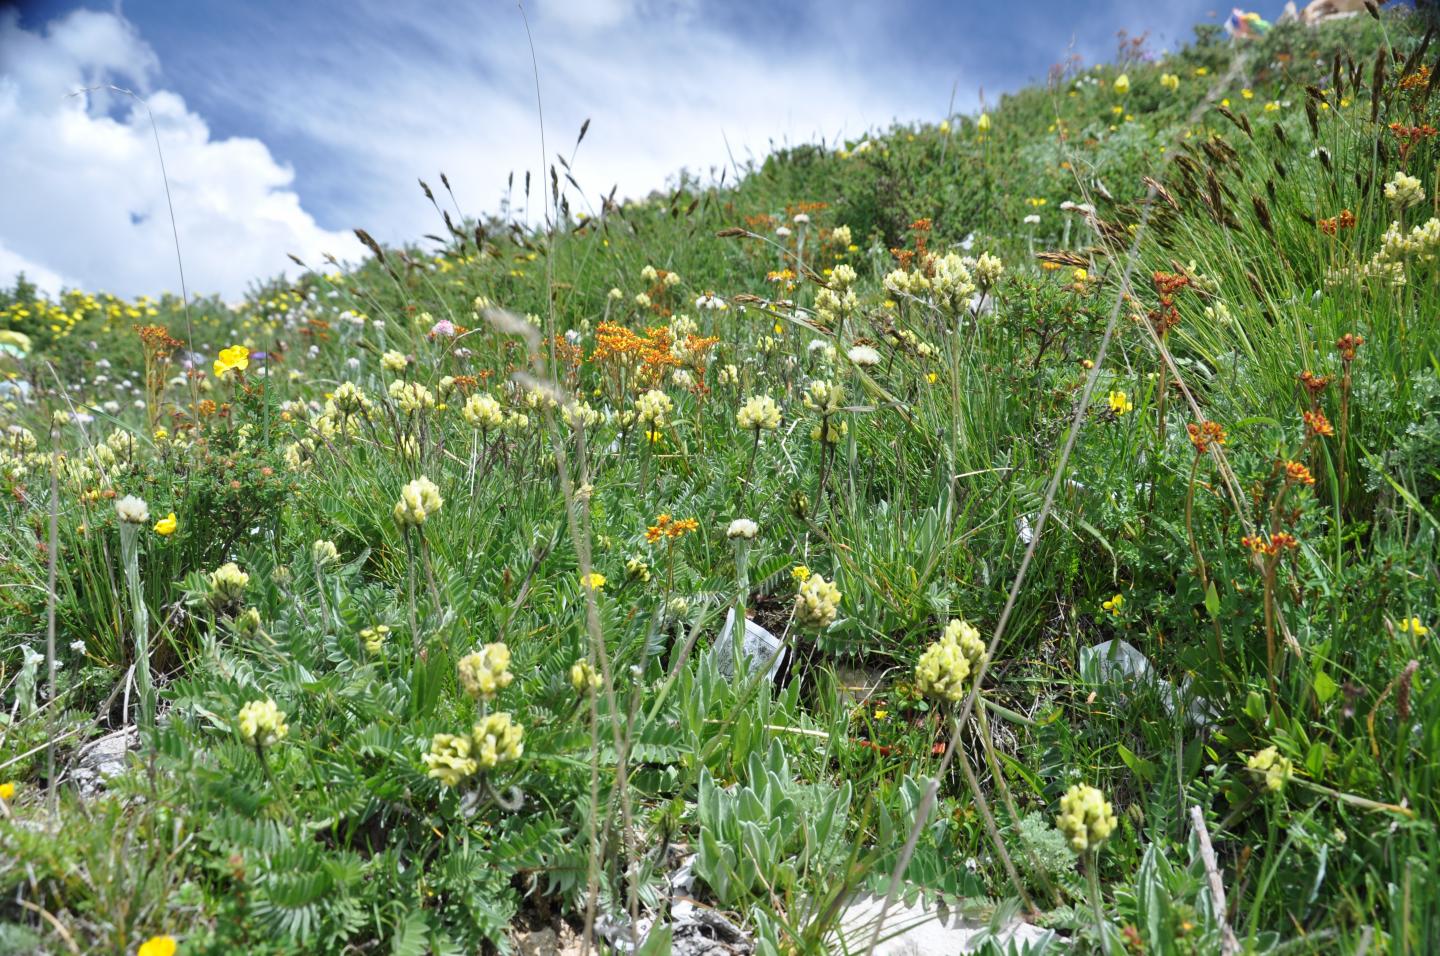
<point x="800" y="572"/>
<point x="817" y="602"/>
<point x="1114" y="604"/>
<point x="1413" y="625"/>
<point x="1122" y="84"/>
<point x="235" y="357"/>
<point x="594" y="580"/>
<point x="1119" y="403"/>
<point x="1248" y="94"/>
<point x="166" y="525"/>
<point x="983" y="124"/>
<point x="881" y="714"/>
<point x="1277" y="769"/>
<point x="7" y="791"/>
<point x="262" y="724"/>
<point x="1170" y="81"/>
<point x="158" y="946"/>
<point x="1086" y="818"/>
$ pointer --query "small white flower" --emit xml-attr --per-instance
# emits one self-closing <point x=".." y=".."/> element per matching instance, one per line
<point x="783" y="231"/>
<point x="132" y="510"/>
<point x="864" y="356"/>
<point x="801" y="218"/>
<point x="742" y="528"/>
<point x="1032" y="220"/>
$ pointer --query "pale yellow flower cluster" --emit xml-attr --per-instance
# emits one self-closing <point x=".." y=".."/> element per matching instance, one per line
<point x="324" y="552"/>
<point x="482" y="411"/>
<point x="493" y="741"/>
<point x="759" y="412"/>
<point x="1277" y="769"/>
<point x="583" y="677"/>
<point x="418" y="501"/>
<point x="486" y="672"/>
<point x="988" y="270"/>
<point x="411" y="397"/>
<point x="449" y="759"/>
<point x="1086" y="818"/>
<point x="228" y="583"/>
<point x="952" y="284"/>
<point x="1404" y="190"/>
<point x="374" y="638"/>
<point x="817" y="602"/>
<point x="262" y="724"/>
<point x="1397" y="248"/>
<point x="654" y="408"/>
<point x="946" y="664"/>
<point x="497" y="740"/>
<point x="824" y="397"/>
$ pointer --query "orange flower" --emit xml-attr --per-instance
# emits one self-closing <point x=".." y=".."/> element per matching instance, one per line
<point x="1279" y="541"/>
<point x="1205" y="434"/>
<point x="1318" y="424"/>
<point x="1298" y="473"/>
<point x="1347" y="345"/>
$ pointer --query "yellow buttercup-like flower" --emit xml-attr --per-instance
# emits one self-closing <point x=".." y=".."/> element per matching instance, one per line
<point x="158" y="946"/>
<point x="166" y="525"/>
<point x="7" y="791"/>
<point x="594" y="581"/>
<point x="1119" y="403"/>
<point x="235" y="358"/>
<point x="1122" y="84"/>
<point x="1413" y="625"/>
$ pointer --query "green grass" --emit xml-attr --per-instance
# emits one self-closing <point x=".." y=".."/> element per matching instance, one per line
<point x="335" y="838"/>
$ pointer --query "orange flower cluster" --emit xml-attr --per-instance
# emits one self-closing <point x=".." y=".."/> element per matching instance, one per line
<point x="1408" y="136"/>
<point x="1333" y="225"/>
<point x="1279" y="541"/>
<point x="1298" y="473"/>
<point x="1167" y="286"/>
<point x="650" y="352"/>
<point x="157" y="340"/>
<point x="1318" y="424"/>
<point x="1205" y="434"/>
<point x="567" y="354"/>
<point x="667" y="527"/>
<point x="1347" y="345"/>
<point x="1417" y="80"/>
<point x="1314" y="384"/>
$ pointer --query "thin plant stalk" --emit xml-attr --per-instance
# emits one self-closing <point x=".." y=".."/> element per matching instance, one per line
<point x="130" y="556"/>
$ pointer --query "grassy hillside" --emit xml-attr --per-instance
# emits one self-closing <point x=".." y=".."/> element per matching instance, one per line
<point x="1090" y="443"/>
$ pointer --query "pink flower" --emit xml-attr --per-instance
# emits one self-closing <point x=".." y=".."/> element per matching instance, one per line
<point x="444" y="327"/>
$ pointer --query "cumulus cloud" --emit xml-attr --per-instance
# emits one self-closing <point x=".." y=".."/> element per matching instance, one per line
<point x="668" y="84"/>
<point x="85" y="199"/>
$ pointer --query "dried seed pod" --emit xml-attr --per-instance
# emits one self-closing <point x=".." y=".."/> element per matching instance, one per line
<point x="1262" y="213"/>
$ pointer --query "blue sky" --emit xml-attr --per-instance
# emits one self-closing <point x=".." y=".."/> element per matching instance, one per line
<point x="287" y="123"/>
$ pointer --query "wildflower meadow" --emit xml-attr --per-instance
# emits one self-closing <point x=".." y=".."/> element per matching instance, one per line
<point x="1032" y="514"/>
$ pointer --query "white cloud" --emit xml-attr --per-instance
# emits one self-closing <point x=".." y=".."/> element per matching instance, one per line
<point x="85" y="200"/>
<point x="665" y="87"/>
